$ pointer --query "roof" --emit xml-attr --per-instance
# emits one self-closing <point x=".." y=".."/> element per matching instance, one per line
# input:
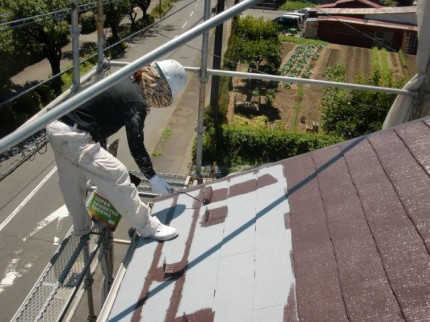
<point x="337" y="234"/>
<point x="364" y="3"/>
<point x="366" y="11"/>
<point x="368" y="22"/>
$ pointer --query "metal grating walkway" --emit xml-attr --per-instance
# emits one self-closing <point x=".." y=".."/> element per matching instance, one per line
<point x="53" y="293"/>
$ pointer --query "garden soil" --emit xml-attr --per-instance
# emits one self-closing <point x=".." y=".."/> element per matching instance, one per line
<point x="294" y="116"/>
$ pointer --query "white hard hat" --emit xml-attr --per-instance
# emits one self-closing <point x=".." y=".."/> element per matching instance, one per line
<point x="175" y="75"/>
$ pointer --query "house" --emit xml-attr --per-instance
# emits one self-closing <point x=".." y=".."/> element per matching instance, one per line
<point x="393" y="28"/>
<point x="337" y="234"/>
<point x="351" y="4"/>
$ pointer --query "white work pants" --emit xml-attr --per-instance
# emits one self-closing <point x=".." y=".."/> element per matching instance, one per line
<point x="78" y="158"/>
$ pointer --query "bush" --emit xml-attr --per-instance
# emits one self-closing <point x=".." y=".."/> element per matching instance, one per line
<point x="20" y="110"/>
<point x="67" y="78"/>
<point x="88" y="22"/>
<point x="165" y="7"/>
<point x="247" y="145"/>
<point x="118" y="48"/>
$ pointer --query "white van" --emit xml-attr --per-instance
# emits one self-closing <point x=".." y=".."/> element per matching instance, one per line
<point x="285" y="22"/>
<point x="300" y="15"/>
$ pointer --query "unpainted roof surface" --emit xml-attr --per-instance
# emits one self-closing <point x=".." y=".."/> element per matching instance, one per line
<point x="338" y="234"/>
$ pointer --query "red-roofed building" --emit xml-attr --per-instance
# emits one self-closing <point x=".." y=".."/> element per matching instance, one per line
<point x="351" y="4"/>
<point x="393" y="28"/>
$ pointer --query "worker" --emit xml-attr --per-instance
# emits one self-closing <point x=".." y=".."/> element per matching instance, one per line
<point x="75" y="139"/>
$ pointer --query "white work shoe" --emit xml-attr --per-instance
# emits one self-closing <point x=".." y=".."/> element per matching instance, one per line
<point x="164" y="232"/>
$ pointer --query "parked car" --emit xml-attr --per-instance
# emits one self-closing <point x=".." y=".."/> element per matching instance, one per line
<point x="305" y="11"/>
<point x="288" y="23"/>
<point x="300" y="15"/>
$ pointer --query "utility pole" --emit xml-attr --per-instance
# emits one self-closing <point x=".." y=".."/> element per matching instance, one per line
<point x="75" y="31"/>
<point x="202" y="92"/>
<point x="217" y="64"/>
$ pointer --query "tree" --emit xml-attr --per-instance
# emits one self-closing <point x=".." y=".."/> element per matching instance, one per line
<point x="349" y="114"/>
<point x="8" y="54"/>
<point x="46" y="35"/>
<point x="115" y="12"/>
<point x="143" y="5"/>
<point x="257" y="44"/>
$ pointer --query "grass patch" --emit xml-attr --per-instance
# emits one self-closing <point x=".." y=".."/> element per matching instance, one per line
<point x="403" y="60"/>
<point x="166" y="133"/>
<point x="157" y="154"/>
<point x="297" y="40"/>
<point x="298" y="105"/>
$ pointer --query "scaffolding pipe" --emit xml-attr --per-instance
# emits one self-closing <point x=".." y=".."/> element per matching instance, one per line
<point x="87" y="94"/>
<point x="219" y="72"/>
<point x="397" y="91"/>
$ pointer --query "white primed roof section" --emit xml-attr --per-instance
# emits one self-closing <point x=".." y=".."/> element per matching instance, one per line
<point x="237" y="249"/>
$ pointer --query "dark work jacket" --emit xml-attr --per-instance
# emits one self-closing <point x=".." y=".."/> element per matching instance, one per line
<point x="121" y="105"/>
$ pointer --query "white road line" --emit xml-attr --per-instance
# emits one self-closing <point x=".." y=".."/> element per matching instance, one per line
<point x="27" y="199"/>
<point x="11" y="274"/>
<point x="59" y="214"/>
<point x="191" y="14"/>
<point x="62" y="213"/>
<point x="185" y="23"/>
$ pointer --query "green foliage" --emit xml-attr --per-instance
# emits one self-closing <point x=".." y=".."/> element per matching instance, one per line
<point x="252" y="29"/>
<point x="349" y="114"/>
<point x="9" y="55"/>
<point x="302" y="62"/>
<point x="165" y="7"/>
<point x="390" y="3"/>
<point x="257" y="43"/>
<point x="88" y="22"/>
<point x="230" y="58"/>
<point x="302" y="41"/>
<point x="254" y="145"/>
<point x="67" y="78"/>
<point x="116" y="48"/>
<point x="115" y="12"/>
<point x="46" y="36"/>
<point x="294" y="5"/>
<point x="403" y="60"/>
<point x="298" y="105"/>
<point x="20" y="110"/>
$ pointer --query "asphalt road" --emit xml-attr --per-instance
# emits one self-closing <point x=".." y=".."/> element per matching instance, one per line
<point x="33" y="219"/>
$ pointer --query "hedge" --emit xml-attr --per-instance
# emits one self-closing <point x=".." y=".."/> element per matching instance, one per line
<point x="244" y="144"/>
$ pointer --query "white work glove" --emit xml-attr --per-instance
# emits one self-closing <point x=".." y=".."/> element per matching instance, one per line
<point x="159" y="185"/>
